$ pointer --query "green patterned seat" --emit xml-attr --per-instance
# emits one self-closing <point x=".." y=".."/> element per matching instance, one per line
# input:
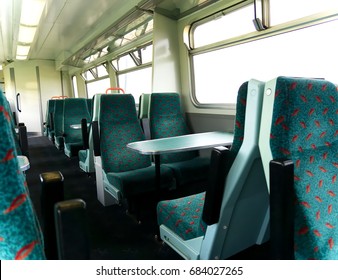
<point x="7" y="108"/>
<point x="126" y="172"/>
<point x="166" y="120"/>
<point x="239" y="221"/>
<point x="48" y="126"/>
<point x="75" y="109"/>
<point x="170" y="212"/>
<point x="20" y="234"/>
<point x="302" y="126"/>
<point x="86" y="156"/>
<point x="58" y="123"/>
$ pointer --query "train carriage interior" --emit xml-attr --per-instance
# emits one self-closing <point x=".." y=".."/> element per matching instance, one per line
<point x="168" y="130"/>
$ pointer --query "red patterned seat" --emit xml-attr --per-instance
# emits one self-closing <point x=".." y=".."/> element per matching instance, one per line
<point x="239" y="200"/>
<point x="302" y="127"/>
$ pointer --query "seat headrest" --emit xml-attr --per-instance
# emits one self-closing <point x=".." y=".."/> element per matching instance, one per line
<point x="165" y="104"/>
<point x="117" y="107"/>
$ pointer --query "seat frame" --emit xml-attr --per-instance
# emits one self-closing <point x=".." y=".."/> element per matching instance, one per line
<point x="244" y="216"/>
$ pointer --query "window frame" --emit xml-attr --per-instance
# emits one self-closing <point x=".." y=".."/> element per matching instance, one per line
<point x="282" y="28"/>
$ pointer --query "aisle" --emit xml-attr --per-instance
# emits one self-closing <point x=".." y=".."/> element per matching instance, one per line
<point x="113" y="233"/>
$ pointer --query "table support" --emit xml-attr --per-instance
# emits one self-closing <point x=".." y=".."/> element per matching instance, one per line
<point x="157" y="161"/>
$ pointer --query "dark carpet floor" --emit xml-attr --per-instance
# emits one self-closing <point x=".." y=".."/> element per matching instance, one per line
<point x="113" y="233"/>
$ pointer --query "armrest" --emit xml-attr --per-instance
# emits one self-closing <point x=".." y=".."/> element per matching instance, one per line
<point x="71" y="230"/>
<point x="52" y="191"/>
<point x="96" y="138"/>
<point x="281" y="209"/>
<point x="85" y="135"/>
<point x="220" y="164"/>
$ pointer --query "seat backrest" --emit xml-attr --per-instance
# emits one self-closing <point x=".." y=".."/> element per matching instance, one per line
<point x="75" y="109"/>
<point x="299" y="123"/>
<point x="49" y="110"/>
<point x="245" y="201"/>
<point x="222" y="160"/>
<point x="7" y="109"/>
<point x="20" y="234"/>
<point x="58" y="117"/>
<point x="90" y="106"/>
<point x="119" y="126"/>
<point x="166" y="120"/>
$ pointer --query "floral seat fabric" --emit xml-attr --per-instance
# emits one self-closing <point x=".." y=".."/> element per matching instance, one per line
<point x="184" y="215"/>
<point x="304" y="129"/>
<point x="20" y="234"/>
<point x="128" y="171"/>
<point x="75" y="109"/>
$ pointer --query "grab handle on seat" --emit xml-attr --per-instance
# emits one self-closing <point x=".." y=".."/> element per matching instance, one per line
<point x="115" y="88"/>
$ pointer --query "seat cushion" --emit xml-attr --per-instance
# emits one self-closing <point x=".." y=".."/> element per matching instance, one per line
<point x="317" y="199"/>
<point x="20" y="234"/>
<point x="190" y="171"/>
<point x="183" y="215"/>
<point x="139" y="180"/>
<point x="83" y="155"/>
<point x="72" y="149"/>
<point x="304" y="129"/>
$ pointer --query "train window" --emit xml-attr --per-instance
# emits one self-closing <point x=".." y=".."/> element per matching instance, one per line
<point x="97" y="86"/>
<point x="125" y="62"/>
<point x="223" y="25"/>
<point x="99" y="71"/>
<point x="136" y="82"/>
<point x="74" y="84"/>
<point x="134" y="70"/>
<point x="138" y="57"/>
<point x="97" y="79"/>
<point x="88" y="75"/>
<point x="218" y="73"/>
<point x="287" y="10"/>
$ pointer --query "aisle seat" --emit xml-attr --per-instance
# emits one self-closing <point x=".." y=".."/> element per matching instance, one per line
<point x="125" y="173"/>
<point x="166" y="120"/>
<point x="86" y="156"/>
<point x="20" y="234"/>
<point x="75" y="109"/>
<point x="48" y="125"/>
<point x="299" y="144"/>
<point x="233" y="214"/>
<point x="58" y="123"/>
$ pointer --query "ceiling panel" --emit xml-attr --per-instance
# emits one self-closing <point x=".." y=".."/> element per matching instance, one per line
<point x="68" y="25"/>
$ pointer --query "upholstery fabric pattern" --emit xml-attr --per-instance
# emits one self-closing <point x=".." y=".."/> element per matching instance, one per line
<point x="166" y="120"/>
<point x="183" y="215"/>
<point x="50" y="109"/>
<point x="58" y="117"/>
<point x="7" y="108"/>
<point x="75" y="109"/>
<point x="118" y="127"/>
<point x="186" y="221"/>
<point x="58" y="123"/>
<point x="20" y="234"/>
<point x="304" y="129"/>
<point x="240" y="117"/>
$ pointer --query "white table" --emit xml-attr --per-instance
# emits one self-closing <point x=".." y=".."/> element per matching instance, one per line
<point x="182" y="143"/>
<point x="23" y="163"/>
